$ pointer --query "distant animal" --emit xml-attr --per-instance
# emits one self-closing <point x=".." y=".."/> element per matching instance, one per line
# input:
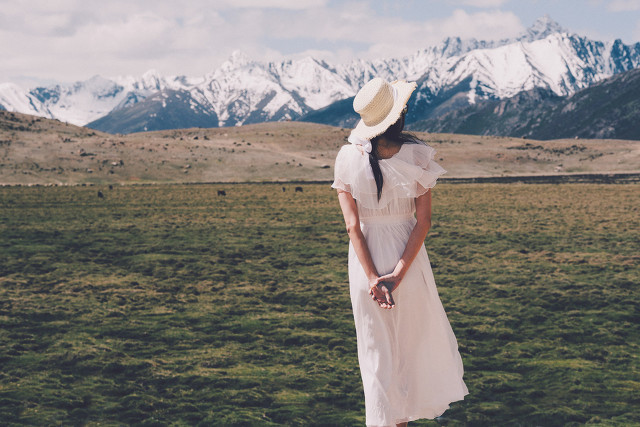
<point x="222" y="193"/>
<point x="110" y="187"/>
<point x="284" y="189"/>
<point x="100" y="195"/>
<point x="298" y="189"/>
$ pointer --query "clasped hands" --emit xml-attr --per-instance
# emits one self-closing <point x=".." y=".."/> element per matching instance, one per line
<point x="381" y="289"/>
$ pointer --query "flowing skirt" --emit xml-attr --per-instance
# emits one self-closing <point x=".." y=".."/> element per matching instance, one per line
<point x="408" y="355"/>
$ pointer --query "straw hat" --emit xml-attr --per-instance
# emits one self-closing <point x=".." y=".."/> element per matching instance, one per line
<point x="380" y="104"/>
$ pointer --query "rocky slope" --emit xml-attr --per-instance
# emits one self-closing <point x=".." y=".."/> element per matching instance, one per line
<point x="608" y="109"/>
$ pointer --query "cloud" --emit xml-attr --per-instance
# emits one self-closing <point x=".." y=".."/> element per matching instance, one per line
<point x="334" y="56"/>
<point x="71" y="39"/>
<point x="624" y="5"/>
<point x="357" y="23"/>
<point x="480" y="3"/>
<point x="276" y="4"/>
<point x="75" y="39"/>
<point x="482" y="25"/>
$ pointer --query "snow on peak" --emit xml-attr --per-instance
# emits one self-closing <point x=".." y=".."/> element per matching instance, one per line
<point x="543" y="27"/>
<point x="96" y="82"/>
<point x="239" y="58"/>
<point x="151" y="80"/>
<point x="14" y="98"/>
<point x="242" y="90"/>
<point x="151" y="73"/>
<point x="452" y="46"/>
<point x="10" y="87"/>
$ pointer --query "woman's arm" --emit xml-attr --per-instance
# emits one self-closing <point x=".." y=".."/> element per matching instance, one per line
<point x="352" y="221"/>
<point x="415" y="242"/>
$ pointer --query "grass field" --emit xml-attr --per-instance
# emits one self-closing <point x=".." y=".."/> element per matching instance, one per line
<point x="170" y="305"/>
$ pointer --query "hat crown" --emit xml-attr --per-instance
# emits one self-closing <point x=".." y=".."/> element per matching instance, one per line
<point x="374" y="101"/>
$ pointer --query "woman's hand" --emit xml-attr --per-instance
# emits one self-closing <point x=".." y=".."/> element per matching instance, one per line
<point x="381" y="293"/>
<point x="392" y="280"/>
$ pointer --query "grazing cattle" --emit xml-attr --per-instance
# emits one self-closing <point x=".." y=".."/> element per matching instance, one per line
<point x="110" y="187"/>
<point x="298" y="189"/>
<point x="100" y="195"/>
<point x="222" y="193"/>
<point x="284" y="189"/>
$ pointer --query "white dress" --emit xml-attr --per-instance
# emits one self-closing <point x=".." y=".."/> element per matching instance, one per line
<point x="408" y="355"/>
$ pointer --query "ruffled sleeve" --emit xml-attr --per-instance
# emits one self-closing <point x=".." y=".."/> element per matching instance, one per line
<point x="408" y="174"/>
<point x="352" y="171"/>
<point x="423" y="156"/>
<point x="341" y="176"/>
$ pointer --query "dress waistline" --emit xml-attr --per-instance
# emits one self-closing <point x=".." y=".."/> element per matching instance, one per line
<point x="387" y="219"/>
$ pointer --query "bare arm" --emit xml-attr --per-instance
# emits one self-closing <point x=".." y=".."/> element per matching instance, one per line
<point x="380" y="293"/>
<point x="415" y="242"/>
<point x="352" y="221"/>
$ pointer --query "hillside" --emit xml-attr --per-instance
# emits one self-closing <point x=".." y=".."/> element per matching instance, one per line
<point x="37" y="150"/>
<point x="608" y="109"/>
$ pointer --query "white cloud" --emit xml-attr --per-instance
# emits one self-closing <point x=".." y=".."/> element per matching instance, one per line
<point x="75" y="39"/>
<point x="482" y="25"/>
<point x="358" y="23"/>
<point x="624" y="5"/>
<point x="112" y="38"/>
<point x="332" y="56"/>
<point x="276" y="4"/>
<point x="480" y="3"/>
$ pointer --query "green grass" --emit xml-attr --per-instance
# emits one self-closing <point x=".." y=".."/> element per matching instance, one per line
<point x="169" y="305"/>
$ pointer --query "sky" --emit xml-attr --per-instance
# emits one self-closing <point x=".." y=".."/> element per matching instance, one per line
<point x="47" y="41"/>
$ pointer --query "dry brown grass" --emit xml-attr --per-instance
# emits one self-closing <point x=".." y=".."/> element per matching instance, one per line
<point x="36" y="150"/>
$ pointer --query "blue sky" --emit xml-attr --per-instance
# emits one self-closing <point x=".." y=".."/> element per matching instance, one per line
<point x="67" y="40"/>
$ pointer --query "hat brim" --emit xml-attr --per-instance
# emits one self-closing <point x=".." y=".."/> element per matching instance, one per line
<point x="404" y="90"/>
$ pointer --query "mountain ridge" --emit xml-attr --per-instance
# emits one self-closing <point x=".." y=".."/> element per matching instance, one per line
<point x="608" y="109"/>
<point x="244" y="91"/>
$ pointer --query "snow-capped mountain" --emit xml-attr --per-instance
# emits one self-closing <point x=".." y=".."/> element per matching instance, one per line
<point x="166" y="109"/>
<point x="450" y="75"/>
<point x="13" y="98"/>
<point x="606" y="109"/>
<point x="83" y="102"/>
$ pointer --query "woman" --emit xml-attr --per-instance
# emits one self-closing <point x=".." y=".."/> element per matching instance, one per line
<point x="407" y="351"/>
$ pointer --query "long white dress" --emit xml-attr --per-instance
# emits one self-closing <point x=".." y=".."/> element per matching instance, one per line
<point x="408" y="355"/>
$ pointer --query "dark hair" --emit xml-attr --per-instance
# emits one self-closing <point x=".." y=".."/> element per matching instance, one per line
<point x="393" y="133"/>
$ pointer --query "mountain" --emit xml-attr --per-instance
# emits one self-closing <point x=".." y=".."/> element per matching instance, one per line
<point x="607" y="109"/>
<point x="559" y="64"/>
<point x="13" y="98"/>
<point x="167" y="109"/>
<point x="82" y="102"/>
<point x="340" y="114"/>
<point x="451" y="75"/>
